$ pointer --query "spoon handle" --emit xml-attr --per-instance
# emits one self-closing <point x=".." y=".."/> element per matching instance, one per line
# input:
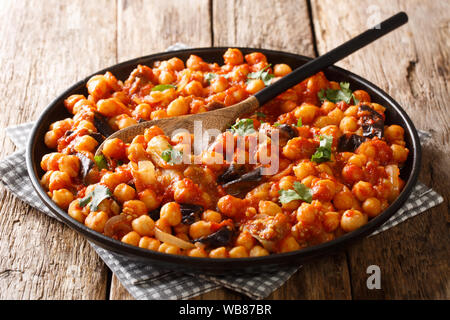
<point x="331" y="57"/>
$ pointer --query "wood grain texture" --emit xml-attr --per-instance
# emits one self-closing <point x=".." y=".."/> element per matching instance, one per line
<point x="411" y="64"/>
<point x="44" y="48"/>
<point x="150" y="26"/>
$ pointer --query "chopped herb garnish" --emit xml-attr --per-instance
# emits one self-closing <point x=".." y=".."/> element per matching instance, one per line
<point x="263" y="75"/>
<point x="100" y="161"/>
<point x="162" y="87"/>
<point x="323" y="153"/>
<point x="243" y="127"/>
<point x="356" y="101"/>
<point x="260" y="114"/>
<point x="211" y="76"/>
<point x="276" y="124"/>
<point x="299" y="122"/>
<point x="99" y="194"/>
<point x="172" y="156"/>
<point x="300" y="192"/>
<point x="342" y="94"/>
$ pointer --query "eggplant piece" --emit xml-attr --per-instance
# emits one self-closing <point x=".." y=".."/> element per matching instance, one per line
<point x="98" y="137"/>
<point x="102" y="125"/>
<point x="240" y="186"/>
<point x="190" y="213"/>
<point x="221" y="238"/>
<point x="233" y="172"/>
<point x="350" y="142"/>
<point x="372" y="122"/>
<point x="155" y="214"/>
<point x="86" y="165"/>
<point x="287" y="132"/>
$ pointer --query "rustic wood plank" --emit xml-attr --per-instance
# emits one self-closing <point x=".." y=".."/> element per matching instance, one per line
<point x="281" y="25"/>
<point x="412" y="65"/>
<point x="44" y="48"/>
<point x="150" y="26"/>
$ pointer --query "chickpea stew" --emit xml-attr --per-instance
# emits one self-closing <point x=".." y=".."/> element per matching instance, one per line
<point x="337" y="162"/>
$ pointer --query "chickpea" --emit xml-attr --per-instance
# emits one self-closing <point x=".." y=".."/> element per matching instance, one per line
<point x="96" y="220"/>
<point x="175" y="64"/>
<point x="268" y="207"/>
<point x="132" y="238"/>
<point x="142" y="111"/>
<point x="348" y="124"/>
<point x="149" y="243"/>
<point x="399" y="153"/>
<point x="352" y="173"/>
<point x="144" y="225"/>
<point x="70" y="101"/>
<point x="231" y="206"/>
<point x="63" y="198"/>
<point x="219" y="84"/>
<point x="151" y="132"/>
<point x="163" y="225"/>
<point x="233" y="57"/>
<point x="238" y="252"/>
<point x="288" y="106"/>
<point x="343" y="200"/>
<point x="124" y="121"/>
<point x="351" y="111"/>
<point x="85" y="124"/>
<point x="281" y="69"/>
<point x="372" y="207"/>
<point x="111" y="107"/>
<point x="304" y="169"/>
<point x="85" y="143"/>
<point x="136" y="152"/>
<point x="352" y="220"/>
<point x="258" y="251"/>
<point x="69" y="164"/>
<point x="309" y="181"/>
<point x="306" y="112"/>
<point x="324" y="190"/>
<point x="363" y="190"/>
<point x="358" y="160"/>
<point x="75" y="211"/>
<point x="171" y="213"/>
<point x="323" y="167"/>
<point x="220" y="252"/>
<point x="134" y="208"/>
<point x="51" y="161"/>
<point x="331" y="221"/>
<point x="111" y="180"/>
<point x="168" y="248"/>
<point x="361" y="96"/>
<point x="124" y="192"/>
<point x="178" y="107"/>
<point x="158" y="114"/>
<point x="194" y="88"/>
<point x="200" y="229"/>
<point x="197" y="253"/>
<point x="51" y="138"/>
<point x="246" y="240"/>
<point x="212" y="216"/>
<point x="149" y="197"/>
<point x="195" y="63"/>
<point x="254" y="86"/>
<point x="59" y="180"/>
<point x="323" y="121"/>
<point x="166" y="77"/>
<point x="98" y="87"/>
<point x="289" y="244"/>
<point x="255" y="57"/>
<point x="114" y="148"/>
<point x="307" y="213"/>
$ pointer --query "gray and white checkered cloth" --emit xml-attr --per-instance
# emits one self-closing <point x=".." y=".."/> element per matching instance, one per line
<point x="149" y="282"/>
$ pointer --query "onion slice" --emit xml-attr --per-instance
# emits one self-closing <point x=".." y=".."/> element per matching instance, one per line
<point x="170" y="239"/>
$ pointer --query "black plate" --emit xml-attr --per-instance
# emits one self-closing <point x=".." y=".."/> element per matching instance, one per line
<point x="394" y="114"/>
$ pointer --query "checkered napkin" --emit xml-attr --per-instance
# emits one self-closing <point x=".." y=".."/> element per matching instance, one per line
<point x="149" y="282"/>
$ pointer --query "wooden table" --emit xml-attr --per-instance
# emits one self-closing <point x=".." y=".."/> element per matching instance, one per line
<point x="47" y="45"/>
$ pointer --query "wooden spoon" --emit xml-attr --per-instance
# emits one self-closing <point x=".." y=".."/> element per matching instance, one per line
<point x="222" y="118"/>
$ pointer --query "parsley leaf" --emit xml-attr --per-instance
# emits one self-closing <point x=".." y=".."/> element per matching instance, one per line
<point x="243" y="127"/>
<point x="263" y="75"/>
<point x="299" y="122"/>
<point x="100" y="161"/>
<point x="276" y="124"/>
<point x="211" y="76"/>
<point x="300" y="192"/>
<point x="343" y="94"/>
<point x="172" y="156"/>
<point x="356" y="101"/>
<point x="260" y="114"/>
<point x="323" y="153"/>
<point x="162" y="87"/>
<point x="99" y="194"/>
